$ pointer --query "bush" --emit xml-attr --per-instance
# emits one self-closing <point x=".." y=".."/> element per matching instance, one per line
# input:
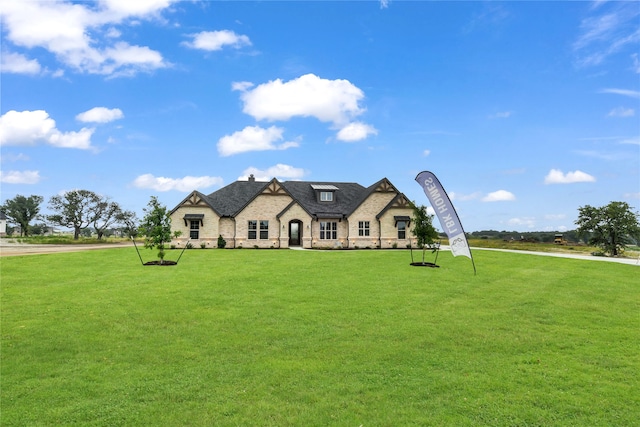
<point x="221" y="242"/>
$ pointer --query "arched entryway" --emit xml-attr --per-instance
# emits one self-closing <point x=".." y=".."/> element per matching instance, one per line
<point x="295" y="232"/>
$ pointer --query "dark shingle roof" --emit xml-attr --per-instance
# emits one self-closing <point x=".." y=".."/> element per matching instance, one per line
<point x="231" y="199"/>
<point x="344" y="198"/>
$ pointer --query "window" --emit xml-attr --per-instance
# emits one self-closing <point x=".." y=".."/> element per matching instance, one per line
<point x="328" y="230"/>
<point x="402" y="230"/>
<point x="264" y="229"/>
<point x="253" y="227"/>
<point x="194" y="230"/>
<point x="363" y="228"/>
<point x="326" y="196"/>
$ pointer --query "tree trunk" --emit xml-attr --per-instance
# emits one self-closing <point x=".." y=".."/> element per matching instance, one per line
<point x="76" y="233"/>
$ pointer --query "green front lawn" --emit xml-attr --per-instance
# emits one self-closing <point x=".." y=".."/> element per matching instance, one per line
<point x="317" y="338"/>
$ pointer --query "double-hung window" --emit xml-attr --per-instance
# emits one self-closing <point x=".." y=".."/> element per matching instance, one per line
<point x="253" y="228"/>
<point x="194" y="230"/>
<point x="264" y="230"/>
<point x="328" y="230"/>
<point x="326" y="196"/>
<point x="402" y="230"/>
<point x="363" y="228"/>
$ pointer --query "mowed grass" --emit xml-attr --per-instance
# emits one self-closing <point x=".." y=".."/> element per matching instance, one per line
<point x="321" y="338"/>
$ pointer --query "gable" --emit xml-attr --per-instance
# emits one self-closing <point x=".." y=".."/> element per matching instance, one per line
<point x="195" y="199"/>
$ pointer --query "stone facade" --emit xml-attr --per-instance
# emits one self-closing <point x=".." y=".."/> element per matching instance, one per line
<point x="278" y="214"/>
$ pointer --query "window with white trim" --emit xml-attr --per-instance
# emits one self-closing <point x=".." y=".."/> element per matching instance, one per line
<point x="402" y="230"/>
<point x="328" y="230"/>
<point x="253" y="228"/>
<point x="363" y="228"/>
<point x="264" y="229"/>
<point x="194" y="230"/>
<point x="326" y="196"/>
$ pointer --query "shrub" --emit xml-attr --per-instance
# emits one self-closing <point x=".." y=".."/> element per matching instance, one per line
<point x="221" y="242"/>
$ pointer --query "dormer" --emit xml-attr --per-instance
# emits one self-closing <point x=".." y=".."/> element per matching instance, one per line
<point x="325" y="193"/>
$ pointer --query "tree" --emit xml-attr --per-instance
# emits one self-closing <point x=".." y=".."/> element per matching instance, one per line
<point x="22" y="210"/>
<point x="108" y="213"/>
<point x="75" y="209"/>
<point x="156" y="226"/>
<point x="423" y="227"/>
<point x="609" y="227"/>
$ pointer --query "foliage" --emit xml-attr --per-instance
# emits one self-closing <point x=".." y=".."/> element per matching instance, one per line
<point x="423" y="228"/>
<point x="609" y="227"/>
<point x="22" y="210"/>
<point x="75" y="209"/>
<point x="156" y="226"/>
<point x="109" y="213"/>
<point x="221" y="242"/>
<point x="344" y="338"/>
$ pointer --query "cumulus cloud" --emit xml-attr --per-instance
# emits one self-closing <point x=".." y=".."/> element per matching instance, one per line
<point x="528" y="222"/>
<point x="32" y="127"/>
<point x="82" y="35"/>
<point x="20" y="177"/>
<point x="622" y="112"/>
<point x="426" y="153"/>
<point x="17" y="63"/>
<point x="253" y="138"/>
<point x="333" y="101"/>
<point x="217" y="40"/>
<point x="556" y="176"/>
<point x="499" y="196"/>
<point x="280" y="171"/>
<point x="100" y="115"/>
<point x="186" y="184"/>
<point x="356" y="131"/>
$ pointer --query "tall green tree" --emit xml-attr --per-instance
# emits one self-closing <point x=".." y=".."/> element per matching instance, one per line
<point x="22" y="210"/>
<point x="423" y="227"/>
<point x="75" y="209"/>
<point x="109" y="213"/>
<point x="609" y="227"/>
<point x="156" y="226"/>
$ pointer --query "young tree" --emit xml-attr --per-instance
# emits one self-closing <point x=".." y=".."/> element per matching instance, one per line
<point x="75" y="209"/>
<point x="22" y="210"/>
<point x="423" y="227"/>
<point x="609" y="227"/>
<point x="156" y="226"/>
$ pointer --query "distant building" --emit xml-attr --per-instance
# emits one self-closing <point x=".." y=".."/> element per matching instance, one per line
<point x="304" y="214"/>
<point x="3" y="224"/>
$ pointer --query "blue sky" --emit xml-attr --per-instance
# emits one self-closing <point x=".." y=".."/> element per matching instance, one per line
<point x="524" y="110"/>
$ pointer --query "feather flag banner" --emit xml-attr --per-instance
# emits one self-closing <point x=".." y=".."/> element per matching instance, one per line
<point x="446" y="214"/>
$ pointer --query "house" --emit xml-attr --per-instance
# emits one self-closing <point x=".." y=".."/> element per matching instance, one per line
<point x="288" y="214"/>
<point x="3" y="224"/>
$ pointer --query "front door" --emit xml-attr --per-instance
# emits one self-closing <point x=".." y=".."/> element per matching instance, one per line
<point x="295" y="233"/>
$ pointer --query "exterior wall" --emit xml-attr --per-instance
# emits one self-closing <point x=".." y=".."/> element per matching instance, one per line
<point x="209" y="230"/>
<point x="368" y="211"/>
<point x="295" y="212"/>
<point x="263" y="207"/>
<point x="3" y="227"/>
<point x="227" y="229"/>
<point x="389" y="231"/>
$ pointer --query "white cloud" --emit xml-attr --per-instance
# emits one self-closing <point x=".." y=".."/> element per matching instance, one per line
<point x="73" y="32"/>
<point x="186" y="184"/>
<point x="280" y="171"/>
<point x="555" y="217"/>
<point x="100" y="115"/>
<point x="623" y="92"/>
<point x="610" y="29"/>
<point x="464" y="197"/>
<point x="32" y="127"/>
<point x="499" y="196"/>
<point x="356" y="131"/>
<point x="528" y="222"/>
<point x="633" y="140"/>
<point x="501" y="115"/>
<point x="426" y="153"/>
<point x="17" y="177"/>
<point x="253" y="138"/>
<point x="217" y="40"/>
<point x="622" y="112"/>
<point x="18" y="64"/>
<point x="333" y="101"/>
<point x="632" y="195"/>
<point x="556" y="176"/>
